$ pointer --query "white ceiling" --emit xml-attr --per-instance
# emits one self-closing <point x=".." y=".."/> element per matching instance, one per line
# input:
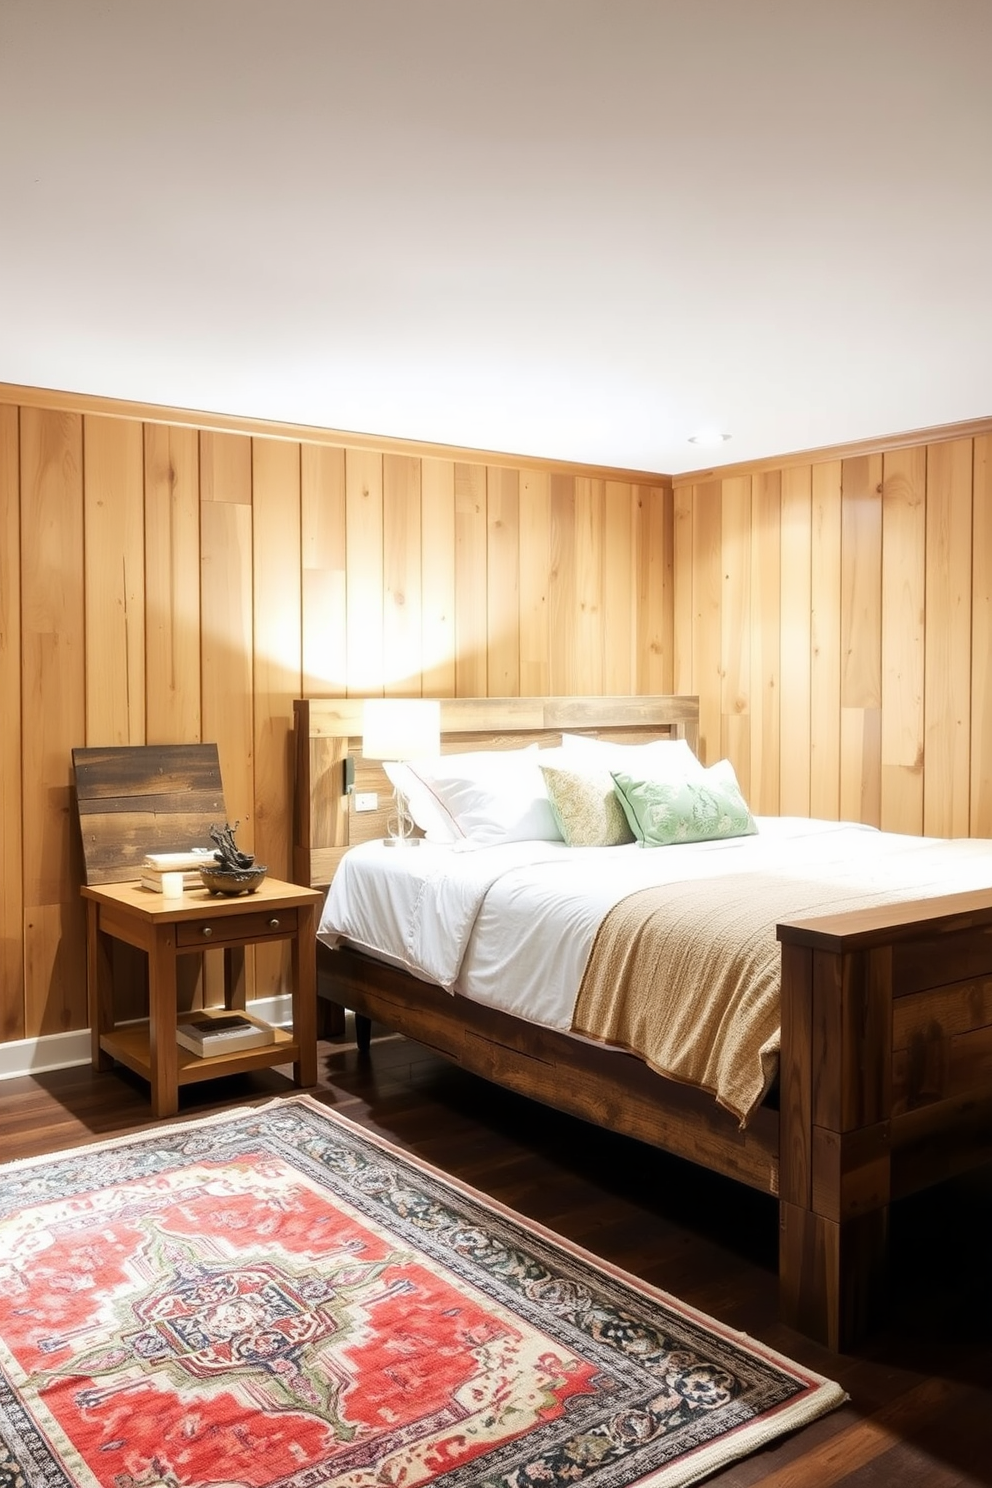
<point x="572" y="228"/>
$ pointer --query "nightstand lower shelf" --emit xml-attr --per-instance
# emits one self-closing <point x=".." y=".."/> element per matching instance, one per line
<point x="131" y="1046"/>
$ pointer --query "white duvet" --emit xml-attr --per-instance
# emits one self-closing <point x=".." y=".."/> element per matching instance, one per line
<point x="512" y="926"/>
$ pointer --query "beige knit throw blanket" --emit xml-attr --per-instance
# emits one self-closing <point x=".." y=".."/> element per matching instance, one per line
<point x="687" y="975"/>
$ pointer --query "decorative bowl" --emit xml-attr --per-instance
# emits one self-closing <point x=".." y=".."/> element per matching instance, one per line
<point x="231" y="881"/>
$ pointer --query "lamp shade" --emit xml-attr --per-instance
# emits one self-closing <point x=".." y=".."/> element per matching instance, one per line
<point x="400" y="728"/>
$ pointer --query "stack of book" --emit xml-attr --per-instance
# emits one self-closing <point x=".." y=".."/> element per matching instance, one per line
<point x="186" y="863"/>
<point x="222" y="1032"/>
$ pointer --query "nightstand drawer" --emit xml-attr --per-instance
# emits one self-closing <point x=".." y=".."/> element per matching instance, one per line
<point x="239" y="927"/>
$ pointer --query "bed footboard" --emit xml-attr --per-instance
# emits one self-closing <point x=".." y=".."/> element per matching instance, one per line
<point x="886" y="1088"/>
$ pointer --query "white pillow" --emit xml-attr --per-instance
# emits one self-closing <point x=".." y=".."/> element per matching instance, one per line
<point x="428" y="813"/>
<point x="487" y="796"/>
<point x="662" y="758"/>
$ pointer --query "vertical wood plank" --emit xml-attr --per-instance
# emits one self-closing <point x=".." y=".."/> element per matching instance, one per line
<point x="796" y="641"/>
<point x="503" y="581"/>
<point x="561" y="586"/>
<point x="471" y="588"/>
<point x="276" y="575"/>
<point x="947" y="697"/>
<point x="736" y="625"/>
<point x="588" y="621"/>
<point x="226" y="617"/>
<point x="535" y="568"/>
<point x="401" y="569"/>
<point x="53" y="698"/>
<point x="278" y="667"/>
<point x="437" y="502"/>
<point x="683" y="507"/>
<point x="655" y="588"/>
<point x="11" y="840"/>
<point x="172" y="585"/>
<point x="766" y="642"/>
<point x="325" y="566"/>
<point x="114" y="579"/>
<point x="981" y="641"/>
<point x="861" y="638"/>
<point x="825" y="633"/>
<point x="363" y="500"/>
<point x="904" y="532"/>
<point x="622" y="632"/>
<point x="707" y="627"/>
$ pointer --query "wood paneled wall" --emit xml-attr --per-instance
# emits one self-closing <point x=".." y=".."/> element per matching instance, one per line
<point x="835" y="619"/>
<point x="161" y="582"/>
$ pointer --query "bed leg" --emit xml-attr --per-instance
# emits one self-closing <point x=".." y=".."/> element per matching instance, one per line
<point x="834" y="1139"/>
<point x="363" y="1033"/>
<point x="832" y="1276"/>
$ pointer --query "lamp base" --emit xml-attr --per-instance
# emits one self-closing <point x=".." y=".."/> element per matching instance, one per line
<point x="402" y="841"/>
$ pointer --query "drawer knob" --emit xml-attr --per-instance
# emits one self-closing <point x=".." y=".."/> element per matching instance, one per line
<point x="273" y="924"/>
<point x="207" y="932"/>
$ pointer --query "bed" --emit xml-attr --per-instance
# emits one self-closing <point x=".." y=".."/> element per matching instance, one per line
<point x="884" y="1072"/>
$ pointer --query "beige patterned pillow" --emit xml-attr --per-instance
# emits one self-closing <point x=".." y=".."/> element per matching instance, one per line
<point x="586" y="807"/>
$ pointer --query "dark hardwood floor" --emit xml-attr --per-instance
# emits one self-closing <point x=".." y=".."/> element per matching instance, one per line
<point x="920" y="1411"/>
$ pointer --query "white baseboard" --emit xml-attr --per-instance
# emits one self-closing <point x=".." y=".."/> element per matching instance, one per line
<point x="57" y="1051"/>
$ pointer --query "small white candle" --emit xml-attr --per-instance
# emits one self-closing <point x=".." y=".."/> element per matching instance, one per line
<point x="172" y="886"/>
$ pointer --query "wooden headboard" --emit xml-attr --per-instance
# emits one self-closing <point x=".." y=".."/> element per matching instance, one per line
<point x="328" y="731"/>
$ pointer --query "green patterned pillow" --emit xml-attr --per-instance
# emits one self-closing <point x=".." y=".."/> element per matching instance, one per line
<point x="700" y="809"/>
<point x="586" y="807"/>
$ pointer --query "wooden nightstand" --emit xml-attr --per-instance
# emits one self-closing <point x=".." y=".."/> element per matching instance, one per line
<point x="166" y="929"/>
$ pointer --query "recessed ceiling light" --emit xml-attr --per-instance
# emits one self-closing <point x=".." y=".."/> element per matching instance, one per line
<point x="708" y="438"/>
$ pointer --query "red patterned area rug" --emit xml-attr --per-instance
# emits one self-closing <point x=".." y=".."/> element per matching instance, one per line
<point x="272" y="1296"/>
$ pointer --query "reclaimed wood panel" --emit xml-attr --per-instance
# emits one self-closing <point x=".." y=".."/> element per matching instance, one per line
<point x="324" y="579"/>
<point x="502" y="581"/>
<point x="53" y="699"/>
<point x="172" y="585"/>
<point x="11" y="784"/>
<point x="471" y="585"/>
<point x="114" y="579"/>
<point x="796" y="641"/>
<point x="947" y="706"/>
<point x="136" y="799"/>
<point x="401" y="576"/>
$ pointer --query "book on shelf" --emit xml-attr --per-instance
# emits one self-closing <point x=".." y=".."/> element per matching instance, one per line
<point x="222" y="1032"/>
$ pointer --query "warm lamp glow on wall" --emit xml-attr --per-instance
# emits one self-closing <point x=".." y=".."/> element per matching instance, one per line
<point x="396" y="730"/>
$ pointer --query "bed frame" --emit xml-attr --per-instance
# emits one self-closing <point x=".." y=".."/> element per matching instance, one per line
<point x="886" y="1069"/>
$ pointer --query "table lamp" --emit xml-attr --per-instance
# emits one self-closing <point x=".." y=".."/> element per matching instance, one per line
<point x="396" y="730"/>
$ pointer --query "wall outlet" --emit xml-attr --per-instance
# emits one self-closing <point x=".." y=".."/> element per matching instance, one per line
<point x="366" y="801"/>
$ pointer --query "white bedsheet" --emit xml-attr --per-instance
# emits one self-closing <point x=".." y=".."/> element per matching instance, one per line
<point x="512" y="926"/>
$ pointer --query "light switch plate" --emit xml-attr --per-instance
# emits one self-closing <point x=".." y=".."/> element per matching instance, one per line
<point x="365" y="801"/>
